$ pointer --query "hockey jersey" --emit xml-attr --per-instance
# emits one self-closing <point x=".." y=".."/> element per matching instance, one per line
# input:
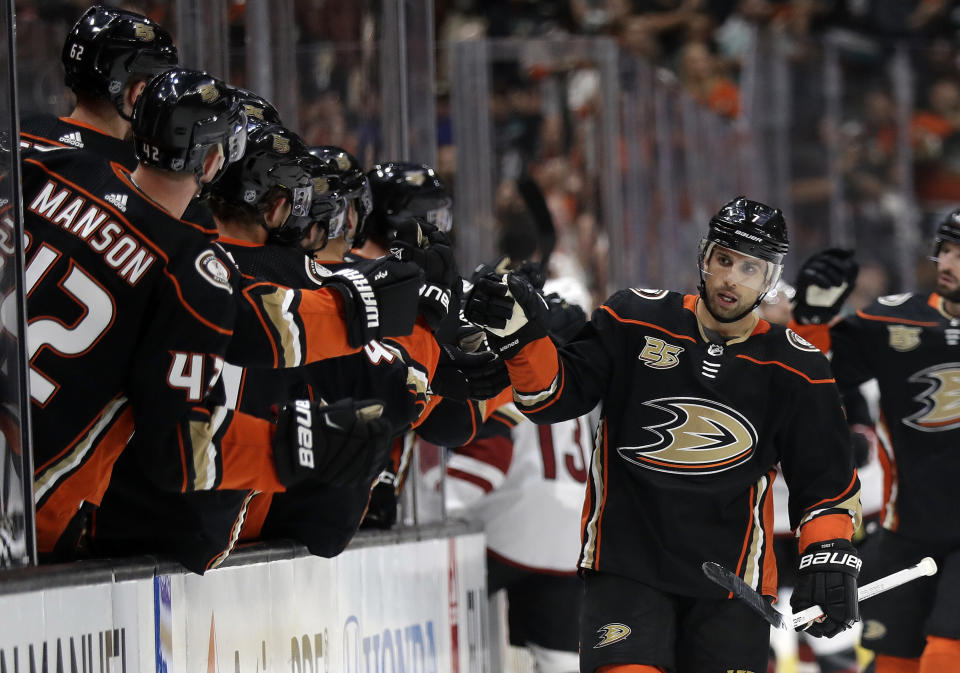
<point x="46" y="132"/>
<point x="689" y="435"/>
<point x="525" y="483"/>
<point x="911" y="346"/>
<point x="130" y="315"/>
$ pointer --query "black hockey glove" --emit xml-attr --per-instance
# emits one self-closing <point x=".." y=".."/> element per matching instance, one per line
<point x="380" y="298"/>
<point x="429" y="248"/>
<point x="382" y="508"/>
<point x="827" y="576"/>
<point x="532" y="271"/>
<point x="341" y="444"/>
<point x="566" y="319"/>
<point x="824" y="282"/>
<point x="511" y="311"/>
<point x="469" y="376"/>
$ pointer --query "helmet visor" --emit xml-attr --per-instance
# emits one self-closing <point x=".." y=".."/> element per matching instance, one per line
<point x="760" y="275"/>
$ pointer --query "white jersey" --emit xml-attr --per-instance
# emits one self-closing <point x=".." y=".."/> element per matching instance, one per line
<point x="525" y="482"/>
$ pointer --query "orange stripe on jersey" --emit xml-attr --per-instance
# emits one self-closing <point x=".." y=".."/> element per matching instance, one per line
<point x="421" y="346"/>
<point x="747" y="536"/>
<point x="818" y="335"/>
<point x="690" y="302"/>
<point x="46" y="141"/>
<point x="247" y="455"/>
<point x="762" y="327"/>
<point x="238" y="242"/>
<point x="87" y="483"/>
<point x="534" y="367"/>
<point x="768" y="585"/>
<point x="505" y="396"/>
<point x="647" y="324"/>
<point x="826" y="527"/>
<point x="191" y="310"/>
<point x="322" y="313"/>
<point x="787" y="367"/>
<point x="431" y="403"/>
<point x="256" y="515"/>
<point x="889" y="517"/>
<point x="842" y="494"/>
<point x="882" y="318"/>
<point x="85" y="125"/>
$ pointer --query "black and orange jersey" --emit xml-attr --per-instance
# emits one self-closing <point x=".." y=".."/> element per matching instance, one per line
<point x="689" y="437"/>
<point x="131" y="313"/>
<point x="911" y="346"/>
<point x="45" y="132"/>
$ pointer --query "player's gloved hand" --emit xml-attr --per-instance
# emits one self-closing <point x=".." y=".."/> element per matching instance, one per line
<point x="824" y="282"/>
<point x="380" y="298"/>
<point x="827" y="576"/>
<point x="420" y="242"/>
<point x="382" y="507"/>
<point x="532" y="271"/>
<point x="342" y="444"/>
<point x="511" y="311"/>
<point x="566" y="319"/>
<point x="469" y="376"/>
<point x="863" y="440"/>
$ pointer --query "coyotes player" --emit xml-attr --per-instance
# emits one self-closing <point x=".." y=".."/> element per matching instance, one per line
<point x="700" y="399"/>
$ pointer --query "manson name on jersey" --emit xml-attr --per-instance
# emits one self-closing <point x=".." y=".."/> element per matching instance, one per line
<point x="95" y="226"/>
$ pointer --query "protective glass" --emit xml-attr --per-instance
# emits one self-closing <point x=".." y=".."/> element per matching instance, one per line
<point x="755" y="273"/>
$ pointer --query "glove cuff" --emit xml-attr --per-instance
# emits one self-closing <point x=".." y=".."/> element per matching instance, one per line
<point x="508" y="346"/>
<point x="830" y="555"/>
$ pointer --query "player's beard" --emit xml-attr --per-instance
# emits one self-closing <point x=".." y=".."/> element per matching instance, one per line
<point x="723" y="311"/>
<point x="948" y="294"/>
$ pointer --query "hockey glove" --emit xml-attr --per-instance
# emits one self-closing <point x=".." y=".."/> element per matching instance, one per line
<point x="511" y="311"/>
<point x="380" y="298"/>
<point x="382" y="508"/>
<point x="824" y="282"/>
<point x="827" y="576"/>
<point x="341" y="444"/>
<point x="566" y="319"/>
<point x="469" y="376"/>
<point x="532" y="271"/>
<point x="419" y="242"/>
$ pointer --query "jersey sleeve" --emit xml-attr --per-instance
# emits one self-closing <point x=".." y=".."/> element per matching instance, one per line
<point x="186" y="439"/>
<point x="816" y="456"/>
<point x="551" y="384"/>
<point x="852" y="350"/>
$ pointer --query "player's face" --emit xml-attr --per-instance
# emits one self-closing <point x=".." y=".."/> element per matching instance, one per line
<point x="730" y="278"/>
<point x="948" y="271"/>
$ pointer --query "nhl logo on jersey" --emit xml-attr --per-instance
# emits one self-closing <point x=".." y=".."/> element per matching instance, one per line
<point x="700" y="436"/>
<point x="213" y="270"/>
<point x="659" y="354"/>
<point x="904" y="338"/>
<point x="611" y="633"/>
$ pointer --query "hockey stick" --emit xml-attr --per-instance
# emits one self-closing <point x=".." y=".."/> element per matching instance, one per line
<point x="740" y="589"/>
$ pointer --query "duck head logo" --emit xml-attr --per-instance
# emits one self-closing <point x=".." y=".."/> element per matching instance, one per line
<point x="698" y="436"/>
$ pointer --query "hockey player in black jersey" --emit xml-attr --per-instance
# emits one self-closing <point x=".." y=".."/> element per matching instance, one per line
<point x="700" y="400"/>
<point x="131" y="312"/>
<point x="108" y="57"/>
<point x="909" y="343"/>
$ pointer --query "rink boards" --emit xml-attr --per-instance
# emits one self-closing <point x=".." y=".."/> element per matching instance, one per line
<point x="383" y="606"/>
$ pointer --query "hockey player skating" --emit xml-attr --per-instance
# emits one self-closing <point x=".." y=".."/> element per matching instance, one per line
<point x="153" y="307"/>
<point x="700" y="400"/>
<point x="908" y="343"/>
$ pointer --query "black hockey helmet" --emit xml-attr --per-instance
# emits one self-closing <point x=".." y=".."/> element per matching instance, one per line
<point x="753" y="229"/>
<point x="328" y="209"/>
<point x="353" y="184"/>
<point x="275" y="157"/>
<point x="181" y="114"/>
<point x="402" y="189"/>
<point x="948" y="230"/>
<point x="109" y="46"/>
<point x="257" y="107"/>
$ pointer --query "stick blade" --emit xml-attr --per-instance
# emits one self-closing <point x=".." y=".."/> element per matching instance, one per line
<point x="717" y="574"/>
